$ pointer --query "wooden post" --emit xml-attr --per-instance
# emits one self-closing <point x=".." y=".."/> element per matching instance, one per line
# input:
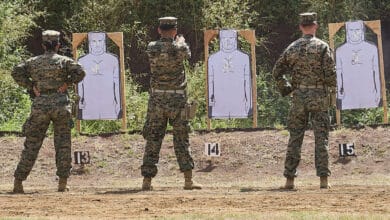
<point x="333" y="28"/>
<point x="117" y="37"/>
<point x="209" y="35"/>
<point x="249" y="35"/>
<point x="77" y="39"/>
<point x="375" y="26"/>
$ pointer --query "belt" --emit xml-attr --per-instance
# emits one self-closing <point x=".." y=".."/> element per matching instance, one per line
<point x="318" y="86"/>
<point x="173" y="91"/>
<point x="48" y="92"/>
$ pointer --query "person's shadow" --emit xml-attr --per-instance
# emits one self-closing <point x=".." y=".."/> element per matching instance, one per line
<point x="120" y="192"/>
<point x="210" y="167"/>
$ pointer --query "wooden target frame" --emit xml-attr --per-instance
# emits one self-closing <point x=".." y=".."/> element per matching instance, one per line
<point x="249" y="35"/>
<point x="375" y="26"/>
<point x="117" y="38"/>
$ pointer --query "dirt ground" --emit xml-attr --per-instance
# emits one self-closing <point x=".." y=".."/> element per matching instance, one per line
<point x="244" y="180"/>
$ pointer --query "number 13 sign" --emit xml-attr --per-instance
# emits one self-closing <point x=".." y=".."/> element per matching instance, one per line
<point x="81" y="157"/>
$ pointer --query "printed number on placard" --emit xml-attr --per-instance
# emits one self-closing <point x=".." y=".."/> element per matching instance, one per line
<point x="212" y="149"/>
<point x="347" y="150"/>
<point x="81" y="157"/>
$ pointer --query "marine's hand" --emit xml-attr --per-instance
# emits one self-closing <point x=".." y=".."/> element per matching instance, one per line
<point x="63" y="88"/>
<point x="82" y="105"/>
<point x="180" y="38"/>
<point x="36" y="91"/>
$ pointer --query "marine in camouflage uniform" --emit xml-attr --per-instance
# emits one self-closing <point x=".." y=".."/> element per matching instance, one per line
<point x="48" y="76"/>
<point x="166" y="102"/>
<point x="308" y="62"/>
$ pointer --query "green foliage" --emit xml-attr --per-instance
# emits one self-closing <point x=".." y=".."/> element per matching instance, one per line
<point x="15" y="22"/>
<point x="272" y="107"/>
<point x="14" y="105"/>
<point x="232" y="14"/>
<point x="275" y="22"/>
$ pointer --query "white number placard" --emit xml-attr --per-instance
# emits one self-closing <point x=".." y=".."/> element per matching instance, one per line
<point x="212" y="149"/>
<point x="347" y="150"/>
<point x="81" y="157"/>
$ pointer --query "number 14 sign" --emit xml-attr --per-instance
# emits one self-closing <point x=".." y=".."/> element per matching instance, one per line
<point x="212" y="149"/>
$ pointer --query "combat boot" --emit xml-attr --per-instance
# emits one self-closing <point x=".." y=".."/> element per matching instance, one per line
<point x="147" y="184"/>
<point x="324" y="182"/>
<point x="18" y="186"/>
<point x="188" y="183"/>
<point x="289" y="183"/>
<point x="62" y="184"/>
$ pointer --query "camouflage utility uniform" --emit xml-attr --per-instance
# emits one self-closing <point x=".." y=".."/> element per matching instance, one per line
<point x="47" y="73"/>
<point x="309" y="63"/>
<point x="167" y="99"/>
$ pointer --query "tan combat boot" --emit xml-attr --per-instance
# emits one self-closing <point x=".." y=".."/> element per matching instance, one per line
<point x="18" y="186"/>
<point x="324" y="182"/>
<point x="188" y="183"/>
<point x="289" y="183"/>
<point x="62" y="184"/>
<point x="147" y="184"/>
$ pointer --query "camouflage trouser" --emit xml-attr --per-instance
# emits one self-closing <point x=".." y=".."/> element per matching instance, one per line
<point x="164" y="108"/>
<point x="45" y="109"/>
<point x="308" y="104"/>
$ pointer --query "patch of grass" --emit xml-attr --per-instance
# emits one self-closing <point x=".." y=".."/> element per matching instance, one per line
<point x="381" y="152"/>
<point x="284" y="132"/>
<point x="126" y="138"/>
<point x="259" y="147"/>
<point x="168" y="138"/>
<point x="130" y="152"/>
<point x="279" y="126"/>
<point x="102" y="164"/>
<point x="340" y="130"/>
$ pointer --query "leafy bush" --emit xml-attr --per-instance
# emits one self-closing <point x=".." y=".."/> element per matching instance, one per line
<point x="275" y="22"/>
<point x="14" y="104"/>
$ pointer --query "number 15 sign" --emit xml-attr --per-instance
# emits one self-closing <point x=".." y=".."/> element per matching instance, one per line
<point x="347" y="150"/>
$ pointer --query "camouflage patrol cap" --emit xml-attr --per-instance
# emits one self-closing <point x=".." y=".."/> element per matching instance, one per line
<point x="167" y="23"/>
<point x="50" y="35"/>
<point x="308" y="18"/>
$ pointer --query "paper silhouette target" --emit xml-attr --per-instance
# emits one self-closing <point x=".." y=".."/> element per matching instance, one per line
<point x="229" y="80"/>
<point x="100" y="95"/>
<point x="357" y="66"/>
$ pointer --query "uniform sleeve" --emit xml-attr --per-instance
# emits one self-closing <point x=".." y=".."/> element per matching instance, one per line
<point x="21" y="76"/>
<point x="281" y="69"/>
<point x="149" y="48"/>
<point x="184" y="50"/>
<point x="329" y="68"/>
<point x="75" y="72"/>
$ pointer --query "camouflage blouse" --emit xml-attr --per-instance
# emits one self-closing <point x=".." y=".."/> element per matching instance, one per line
<point x="166" y="58"/>
<point x="307" y="61"/>
<point x="48" y="72"/>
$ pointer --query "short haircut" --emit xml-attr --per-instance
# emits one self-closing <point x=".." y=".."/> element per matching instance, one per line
<point x="50" y="45"/>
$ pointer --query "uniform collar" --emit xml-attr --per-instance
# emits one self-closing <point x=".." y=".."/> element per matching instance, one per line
<point x="166" y="39"/>
<point x="50" y="52"/>
<point x="308" y="36"/>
